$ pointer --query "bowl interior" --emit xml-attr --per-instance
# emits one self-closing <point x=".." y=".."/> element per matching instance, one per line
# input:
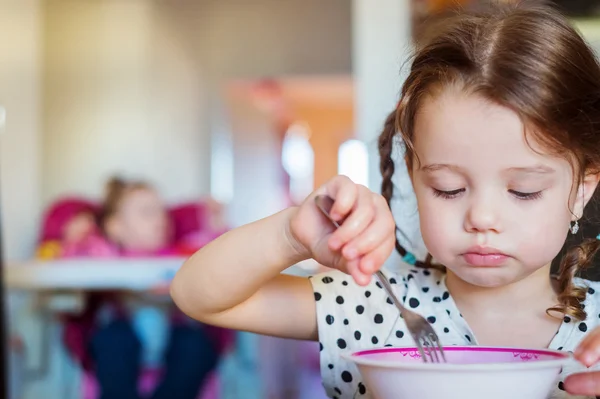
<point x="462" y="355"/>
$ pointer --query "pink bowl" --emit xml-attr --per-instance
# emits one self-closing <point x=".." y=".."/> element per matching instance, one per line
<point x="472" y="372"/>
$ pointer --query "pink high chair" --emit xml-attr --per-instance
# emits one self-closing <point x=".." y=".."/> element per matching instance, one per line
<point x="190" y="232"/>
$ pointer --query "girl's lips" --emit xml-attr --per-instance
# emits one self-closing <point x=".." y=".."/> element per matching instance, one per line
<point x="484" y="256"/>
<point x="482" y="260"/>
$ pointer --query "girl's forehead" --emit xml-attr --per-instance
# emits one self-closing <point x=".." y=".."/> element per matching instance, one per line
<point x="140" y="195"/>
<point x="457" y="128"/>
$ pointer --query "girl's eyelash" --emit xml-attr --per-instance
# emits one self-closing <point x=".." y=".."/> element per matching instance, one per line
<point x="448" y="194"/>
<point x="526" y="196"/>
<point x="518" y="194"/>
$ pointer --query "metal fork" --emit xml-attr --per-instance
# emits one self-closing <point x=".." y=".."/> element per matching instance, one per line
<point x="427" y="341"/>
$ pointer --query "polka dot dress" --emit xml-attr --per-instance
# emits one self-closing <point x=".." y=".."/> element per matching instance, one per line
<point x="351" y="318"/>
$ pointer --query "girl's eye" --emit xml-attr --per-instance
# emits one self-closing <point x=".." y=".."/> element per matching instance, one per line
<point x="526" y="196"/>
<point x="448" y="194"/>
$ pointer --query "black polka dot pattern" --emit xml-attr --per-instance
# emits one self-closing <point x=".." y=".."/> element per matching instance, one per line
<point x="346" y="376"/>
<point x="414" y="303"/>
<point x="353" y="318"/>
<point x="361" y="388"/>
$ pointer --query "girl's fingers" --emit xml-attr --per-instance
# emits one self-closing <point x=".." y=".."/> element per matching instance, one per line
<point x="373" y="261"/>
<point x="361" y="278"/>
<point x="344" y="192"/>
<point x="584" y="384"/>
<point x="588" y="351"/>
<point x="380" y="230"/>
<point x="355" y="223"/>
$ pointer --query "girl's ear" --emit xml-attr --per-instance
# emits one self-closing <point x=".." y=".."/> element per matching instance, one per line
<point x="585" y="193"/>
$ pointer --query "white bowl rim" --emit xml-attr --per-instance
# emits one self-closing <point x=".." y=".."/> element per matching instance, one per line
<point x="562" y="359"/>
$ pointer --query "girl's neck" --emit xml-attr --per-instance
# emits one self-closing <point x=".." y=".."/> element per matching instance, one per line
<point x="536" y="290"/>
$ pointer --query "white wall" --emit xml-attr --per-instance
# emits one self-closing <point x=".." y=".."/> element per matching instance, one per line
<point x="121" y="96"/>
<point x="20" y="46"/>
<point x="258" y="38"/>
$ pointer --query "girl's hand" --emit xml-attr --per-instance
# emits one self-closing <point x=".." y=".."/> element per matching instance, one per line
<point x="588" y="353"/>
<point x="365" y="238"/>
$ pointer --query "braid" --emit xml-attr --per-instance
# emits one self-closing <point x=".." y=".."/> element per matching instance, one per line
<point x="386" y="165"/>
<point x="570" y="297"/>
<point x="387" y="168"/>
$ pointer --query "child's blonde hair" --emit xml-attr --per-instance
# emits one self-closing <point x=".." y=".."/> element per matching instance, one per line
<point x="530" y="59"/>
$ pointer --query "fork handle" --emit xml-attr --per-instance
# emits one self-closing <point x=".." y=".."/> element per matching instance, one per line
<point x="390" y="291"/>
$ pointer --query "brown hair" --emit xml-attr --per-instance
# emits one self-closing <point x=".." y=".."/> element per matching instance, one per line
<point x="115" y="191"/>
<point x="525" y="57"/>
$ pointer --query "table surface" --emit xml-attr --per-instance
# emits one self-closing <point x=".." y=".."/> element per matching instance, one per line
<point x="95" y="274"/>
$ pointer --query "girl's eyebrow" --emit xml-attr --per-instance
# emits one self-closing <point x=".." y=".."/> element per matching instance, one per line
<point x="536" y="169"/>
<point x="434" y="167"/>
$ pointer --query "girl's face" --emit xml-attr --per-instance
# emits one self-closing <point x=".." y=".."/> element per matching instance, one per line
<point x="140" y="223"/>
<point x="493" y="208"/>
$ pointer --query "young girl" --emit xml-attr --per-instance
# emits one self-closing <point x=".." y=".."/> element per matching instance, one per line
<point x="131" y="334"/>
<point x="500" y="118"/>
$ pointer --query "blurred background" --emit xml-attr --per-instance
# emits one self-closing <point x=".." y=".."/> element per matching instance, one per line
<point x="211" y="114"/>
